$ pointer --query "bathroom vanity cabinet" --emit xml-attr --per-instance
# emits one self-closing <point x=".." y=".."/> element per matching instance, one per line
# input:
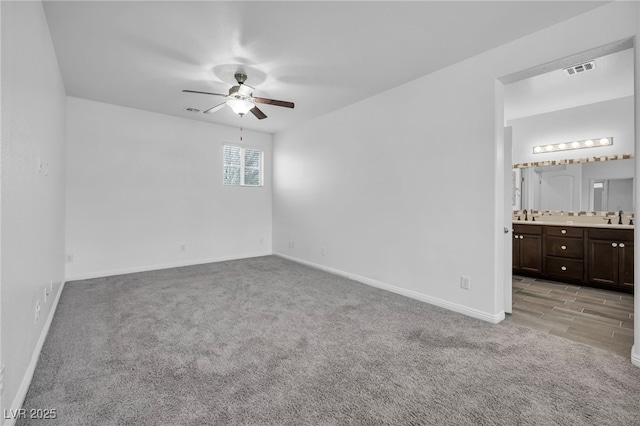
<point x="596" y="256"/>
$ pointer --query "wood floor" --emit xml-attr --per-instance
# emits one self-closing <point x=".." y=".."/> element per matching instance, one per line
<point x="592" y="316"/>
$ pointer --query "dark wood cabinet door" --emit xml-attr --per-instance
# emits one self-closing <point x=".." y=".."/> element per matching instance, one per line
<point x="531" y="253"/>
<point x="603" y="262"/>
<point x="625" y="262"/>
<point x="515" y="250"/>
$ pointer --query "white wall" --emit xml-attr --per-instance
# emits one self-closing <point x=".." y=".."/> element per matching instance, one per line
<point x="402" y="188"/>
<point x="141" y="184"/>
<point x="602" y="119"/>
<point x="32" y="207"/>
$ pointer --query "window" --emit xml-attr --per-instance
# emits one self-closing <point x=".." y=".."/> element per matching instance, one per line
<point x="242" y="166"/>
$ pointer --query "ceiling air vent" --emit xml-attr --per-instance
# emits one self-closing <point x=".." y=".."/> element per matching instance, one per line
<point x="189" y="109"/>
<point x="577" y="69"/>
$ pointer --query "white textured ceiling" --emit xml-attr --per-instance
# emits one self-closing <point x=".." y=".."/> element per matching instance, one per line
<point x="612" y="78"/>
<point x="320" y="55"/>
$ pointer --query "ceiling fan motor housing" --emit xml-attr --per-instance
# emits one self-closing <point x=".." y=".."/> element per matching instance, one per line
<point x="241" y="92"/>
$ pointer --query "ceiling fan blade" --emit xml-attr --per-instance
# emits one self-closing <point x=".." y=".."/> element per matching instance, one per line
<point x="274" y="102"/>
<point x="214" y="109"/>
<point x="203" y="93"/>
<point x="258" y="113"/>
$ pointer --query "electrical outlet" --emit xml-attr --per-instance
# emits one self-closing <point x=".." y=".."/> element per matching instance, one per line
<point x="261" y="240"/>
<point x="69" y="258"/>
<point x="183" y="247"/>
<point x="291" y="244"/>
<point x="37" y="311"/>
<point x="1" y="378"/>
<point x="322" y="251"/>
<point x="465" y="283"/>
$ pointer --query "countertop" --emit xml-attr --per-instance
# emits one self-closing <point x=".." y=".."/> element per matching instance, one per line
<point x="604" y="225"/>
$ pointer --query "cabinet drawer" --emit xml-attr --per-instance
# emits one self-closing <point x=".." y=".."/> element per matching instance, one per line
<point x="565" y="268"/>
<point x="564" y="231"/>
<point x="527" y="229"/>
<point x="572" y="248"/>
<point x="611" y="234"/>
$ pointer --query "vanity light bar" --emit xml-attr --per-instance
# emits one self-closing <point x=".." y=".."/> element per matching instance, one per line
<point x="567" y="146"/>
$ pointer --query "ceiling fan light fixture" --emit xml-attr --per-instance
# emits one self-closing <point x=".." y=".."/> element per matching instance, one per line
<point x="240" y="106"/>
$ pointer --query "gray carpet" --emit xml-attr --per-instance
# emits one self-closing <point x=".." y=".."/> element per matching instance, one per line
<point x="269" y="341"/>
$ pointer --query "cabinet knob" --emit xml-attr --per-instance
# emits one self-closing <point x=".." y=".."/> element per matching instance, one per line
<point x="614" y="244"/>
<point x="564" y="268"/>
<point x="521" y="237"/>
<point x="563" y="247"/>
<point x="621" y="245"/>
<point x="564" y="231"/>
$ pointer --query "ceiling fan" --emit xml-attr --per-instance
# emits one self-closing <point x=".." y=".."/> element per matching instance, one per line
<point x="241" y="100"/>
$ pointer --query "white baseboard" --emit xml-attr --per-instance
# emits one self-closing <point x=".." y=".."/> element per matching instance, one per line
<point x="494" y="319"/>
<point x="635" y="356"/>
<point x="134" y="269"/>
<point x="28" y="375"/>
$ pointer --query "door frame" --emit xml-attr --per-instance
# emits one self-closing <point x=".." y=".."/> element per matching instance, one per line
<point x="503" y="274"/>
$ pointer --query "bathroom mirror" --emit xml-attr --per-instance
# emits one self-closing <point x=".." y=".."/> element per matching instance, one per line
<point x="592" y="186"/>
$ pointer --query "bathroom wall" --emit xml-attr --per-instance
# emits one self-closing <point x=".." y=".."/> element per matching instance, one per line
<point x="603" y="119"/>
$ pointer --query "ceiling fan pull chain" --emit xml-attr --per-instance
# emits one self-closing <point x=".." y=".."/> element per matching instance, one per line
<point x="240" y="134"/>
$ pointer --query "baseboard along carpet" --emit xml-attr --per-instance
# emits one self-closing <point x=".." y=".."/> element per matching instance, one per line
<point x="270" y="341"/>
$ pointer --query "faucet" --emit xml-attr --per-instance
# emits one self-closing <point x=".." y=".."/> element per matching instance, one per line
<point x="620" y="213"/>
<point x="525" y="214"/>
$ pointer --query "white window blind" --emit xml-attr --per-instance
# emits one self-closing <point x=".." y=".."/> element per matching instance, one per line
<point x="242" y="166"/>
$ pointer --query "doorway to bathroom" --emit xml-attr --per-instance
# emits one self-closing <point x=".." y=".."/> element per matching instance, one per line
<point x="571" y="128"/>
